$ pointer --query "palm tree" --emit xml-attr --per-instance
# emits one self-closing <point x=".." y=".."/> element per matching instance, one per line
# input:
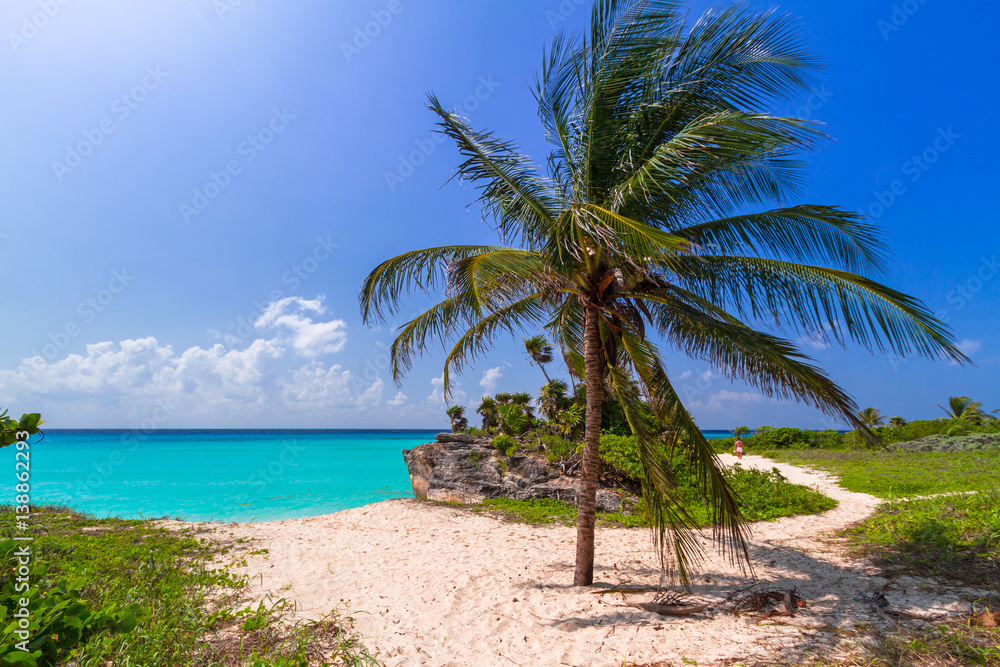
<point x="523" y="399"/>
<point x="963" y="407"/>
<point x="488" y="409"/>
<point x="648" y="222"/>
<point x="870" y="417"/>
<point x="897" y="421"/>
<point x="552" y="398"/>
<point x="540" y="351"/>
<point x="456" y="413"/>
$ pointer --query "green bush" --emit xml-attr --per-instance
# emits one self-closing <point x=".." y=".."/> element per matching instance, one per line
<point x="559" y="449"/>
<point x="620" y="454"/>
<point x="916" y="430"/>
<point x="505" y="444"/>
<point x="783" y="437"/>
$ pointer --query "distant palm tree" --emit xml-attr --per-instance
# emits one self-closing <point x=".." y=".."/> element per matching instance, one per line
<point x="870" y="417"/>
<point x="963" y="407"/>
<point x="488" y="409"/>
<point x="540" y="351"/>
<point x="503" y="397"/>
<point x="653" y="223"/>
<point x="457" y="415"/>
<point x="523" y="399"/>
<point x="897" y="421"/>
<point x="552" y="397"/>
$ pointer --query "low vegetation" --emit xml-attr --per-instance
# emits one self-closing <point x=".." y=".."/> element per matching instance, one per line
<point x="144" y="595"/>
<point x="902" y="474"/>
<point x="954" y="537"/>
<point x="764" y="495"/>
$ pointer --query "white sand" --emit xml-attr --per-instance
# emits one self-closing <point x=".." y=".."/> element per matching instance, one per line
<point x="434" y="585"/>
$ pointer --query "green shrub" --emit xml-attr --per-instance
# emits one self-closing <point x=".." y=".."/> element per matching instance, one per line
<point x="559" y="449"/>
<point x="783" y="437"/>
<point x="505" y="444"/>
<point x="58" y="620"/>
<point x="620" y="454"/>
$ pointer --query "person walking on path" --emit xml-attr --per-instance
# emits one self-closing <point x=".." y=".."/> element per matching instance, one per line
<point x="738" y="448"/>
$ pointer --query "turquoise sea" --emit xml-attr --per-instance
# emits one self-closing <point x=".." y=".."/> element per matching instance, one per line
<point x="231" y="475"/>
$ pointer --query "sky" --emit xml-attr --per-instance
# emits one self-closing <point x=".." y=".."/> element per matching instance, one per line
<point x="193" y="192"/>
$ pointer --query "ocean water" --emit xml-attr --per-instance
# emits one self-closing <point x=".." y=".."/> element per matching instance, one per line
<point x="245" y="475"/>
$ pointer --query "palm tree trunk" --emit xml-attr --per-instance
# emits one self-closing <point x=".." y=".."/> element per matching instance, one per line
<point x="586" y="517"/>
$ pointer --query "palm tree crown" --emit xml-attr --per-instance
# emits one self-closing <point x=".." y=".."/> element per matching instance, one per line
<point x="870" y="417"/>
<point x="963" y="407"/>
<point x="651" y="225"/>
<point x="540" y="351"/>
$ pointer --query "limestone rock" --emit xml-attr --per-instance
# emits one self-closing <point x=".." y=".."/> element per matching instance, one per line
<point x="454" y="437"/>
<point x="465" y="472"/>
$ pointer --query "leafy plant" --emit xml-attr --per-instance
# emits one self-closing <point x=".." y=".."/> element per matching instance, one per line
<point x="512" y="419"/>
<point x="9" y="427"/>
<point x="57" y="620"/>
<point x="505" y="444"/>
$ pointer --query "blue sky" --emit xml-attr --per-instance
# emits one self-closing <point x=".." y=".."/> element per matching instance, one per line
<point x="193" y="192"/>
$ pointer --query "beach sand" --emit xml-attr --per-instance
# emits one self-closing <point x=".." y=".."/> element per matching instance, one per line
<point x="430" y="584"/>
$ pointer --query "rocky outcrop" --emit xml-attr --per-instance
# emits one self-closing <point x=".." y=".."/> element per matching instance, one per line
<point x="454" y="437"/>
<point x="469" y="472"/>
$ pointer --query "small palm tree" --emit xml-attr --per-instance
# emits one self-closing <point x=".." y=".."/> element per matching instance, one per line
<point x="963" y="407"/>
<point x="523" y="399"/>
<point x="552" y="398"/>
<point x="503" y="397"/>
<point x="456" y="413"/>
<point x="870" y="418"/>
<point x="488" y="410"/>
<point x="897" y="421"/>
<point x="540" y="351"/>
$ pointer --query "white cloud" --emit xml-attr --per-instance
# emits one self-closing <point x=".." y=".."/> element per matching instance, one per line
<point x="111" y="383"/>
<point x="308" y="338"/>
<point x="490" y="379"/>
<point x="970" y="347"/>
<point x="685" y="375"/>
<point x="399" y="400"/>
<point x="436" y="397"/>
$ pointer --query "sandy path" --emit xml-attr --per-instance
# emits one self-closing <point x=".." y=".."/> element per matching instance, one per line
<point x="433" y="585"/>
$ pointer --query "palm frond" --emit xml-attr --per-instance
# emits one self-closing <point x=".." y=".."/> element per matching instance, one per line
<point x="417" y="270"/>
<point x="818" y="298"/>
